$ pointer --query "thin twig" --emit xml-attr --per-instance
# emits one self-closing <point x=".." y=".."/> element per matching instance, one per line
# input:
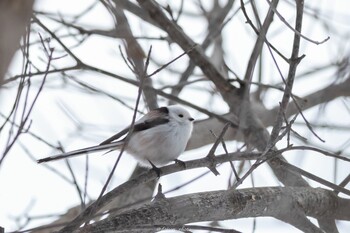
<point x="26" y="116"/>
<point x="296" y="31"/>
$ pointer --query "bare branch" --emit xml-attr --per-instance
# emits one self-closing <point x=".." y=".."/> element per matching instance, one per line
<point x="220" y="205"/>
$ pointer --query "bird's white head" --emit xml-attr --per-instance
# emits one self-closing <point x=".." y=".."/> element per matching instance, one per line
<point x="179" y="114"/>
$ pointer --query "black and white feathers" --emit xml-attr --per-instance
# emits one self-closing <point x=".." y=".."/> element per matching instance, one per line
<point x="158" y="137"/>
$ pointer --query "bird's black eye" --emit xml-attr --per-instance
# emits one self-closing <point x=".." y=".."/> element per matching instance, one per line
<point x="180" y="115"/>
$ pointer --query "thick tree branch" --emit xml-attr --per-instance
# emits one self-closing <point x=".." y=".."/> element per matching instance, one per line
<point x="144" y="178"/>
<point x="278" y="202"/>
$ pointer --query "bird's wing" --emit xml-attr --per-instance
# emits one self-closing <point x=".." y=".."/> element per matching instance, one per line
<point x="115" y="137"/>
<point x="153" y="118"/>
<point x="80" y="151"/>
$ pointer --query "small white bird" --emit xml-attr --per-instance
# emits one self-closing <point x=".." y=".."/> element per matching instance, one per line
<point x="158" y="138"/>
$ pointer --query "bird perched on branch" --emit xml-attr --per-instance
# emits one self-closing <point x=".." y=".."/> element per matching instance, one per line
<point x="156" y="139"/>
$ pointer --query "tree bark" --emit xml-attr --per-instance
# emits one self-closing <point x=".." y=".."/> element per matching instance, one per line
<point x="284" y="203"/>
<point x="14" y="17"/>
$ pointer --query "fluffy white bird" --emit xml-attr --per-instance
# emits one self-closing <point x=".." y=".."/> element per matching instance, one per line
<point x="158" y="138"/>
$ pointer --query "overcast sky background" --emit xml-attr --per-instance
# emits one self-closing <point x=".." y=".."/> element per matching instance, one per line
<point x="29" y="188"/>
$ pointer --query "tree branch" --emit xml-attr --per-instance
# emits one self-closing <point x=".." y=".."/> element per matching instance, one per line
<point x="279" y="202"/>
<point x="197" y="55"/>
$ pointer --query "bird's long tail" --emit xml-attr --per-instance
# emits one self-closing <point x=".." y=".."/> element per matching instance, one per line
<point x="91" y="149"/>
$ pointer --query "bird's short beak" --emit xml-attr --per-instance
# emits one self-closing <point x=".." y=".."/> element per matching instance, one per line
<point x="191" y="119"/>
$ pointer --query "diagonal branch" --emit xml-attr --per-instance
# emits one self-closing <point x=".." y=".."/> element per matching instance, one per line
<point x="294" y="61"/>
<point x="197" y="55"/>
<point x="258" y="44"/>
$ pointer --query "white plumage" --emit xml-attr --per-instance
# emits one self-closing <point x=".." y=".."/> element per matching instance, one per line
<point x="163" y="143"/>
<point x="159" y="137"/>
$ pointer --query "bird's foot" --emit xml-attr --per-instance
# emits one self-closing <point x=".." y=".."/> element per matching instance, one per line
<point x="181" y="163"/>
<point x="155" y="168"/>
